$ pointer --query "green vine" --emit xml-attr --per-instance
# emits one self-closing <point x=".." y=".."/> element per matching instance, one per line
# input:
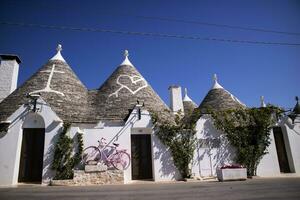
<point x="248" y="130"/>
<point x="64" y="161"/>
<point x="180" y="138"/>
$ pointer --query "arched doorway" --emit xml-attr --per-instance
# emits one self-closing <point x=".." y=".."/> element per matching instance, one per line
<point x="32" y="150"/>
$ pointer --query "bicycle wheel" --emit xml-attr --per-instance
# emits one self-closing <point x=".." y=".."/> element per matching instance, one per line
<point x="121" y="160"/>
<point x="90" y="154"/>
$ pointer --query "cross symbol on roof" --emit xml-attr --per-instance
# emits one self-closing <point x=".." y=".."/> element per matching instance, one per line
<point x="47" y="88"/>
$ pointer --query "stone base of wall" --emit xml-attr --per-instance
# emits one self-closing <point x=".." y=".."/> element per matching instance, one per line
<point x="82" y="178"/>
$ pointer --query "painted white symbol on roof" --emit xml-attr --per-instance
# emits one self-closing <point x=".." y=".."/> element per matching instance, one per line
<point x="134" y="80"/>
<point x="47" y="88"/>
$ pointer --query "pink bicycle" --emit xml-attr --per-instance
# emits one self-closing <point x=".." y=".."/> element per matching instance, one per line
<point x="110" y="155"/>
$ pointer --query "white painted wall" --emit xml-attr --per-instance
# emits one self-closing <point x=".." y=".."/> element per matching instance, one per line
<point x="208" y="159"/>
<point x="9" y="70"/>
<point x="10" y="144"/>
<point x="164" y="168"/>
<point x="294" y="141"/>
<point x="269" y="165"/>
<point x="291" y="133"/>
<point x="162" y="165"/>
<point x="9" y="149"/>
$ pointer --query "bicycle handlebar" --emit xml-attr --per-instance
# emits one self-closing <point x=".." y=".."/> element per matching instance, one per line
<point x="103" y="143"/>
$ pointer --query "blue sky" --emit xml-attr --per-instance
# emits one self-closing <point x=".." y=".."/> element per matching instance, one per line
<point x="246" y="70"/>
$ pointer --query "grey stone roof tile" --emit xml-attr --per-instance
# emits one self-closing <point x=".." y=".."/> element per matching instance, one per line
<point x="71" y="106"/>
<point x="114" y="100"/>
<point x="121" y="91"/>
<point x="219" y="99"/>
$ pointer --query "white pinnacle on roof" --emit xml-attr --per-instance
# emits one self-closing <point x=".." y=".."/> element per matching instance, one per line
<point x="262" y="102"/>
<point x="186" y="97"/>
<point x="126" y="60"/>
<point x="58" y="55"/>
<point x="216" y="84"/>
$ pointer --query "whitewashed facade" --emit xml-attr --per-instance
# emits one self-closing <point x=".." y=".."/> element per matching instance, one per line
<point x="213" y="150"/>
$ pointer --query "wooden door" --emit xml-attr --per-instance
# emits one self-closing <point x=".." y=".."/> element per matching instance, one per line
<point x="141" y="157"/>
<point x="31" y="160"/>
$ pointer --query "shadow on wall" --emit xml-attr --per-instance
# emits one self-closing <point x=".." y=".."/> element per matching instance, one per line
<point x="127" y="125"/>
<point x="48" y="173"/>
<point x="21" y="116"/>
<point x="213" y="148"/>
<point x="167" y="168"/>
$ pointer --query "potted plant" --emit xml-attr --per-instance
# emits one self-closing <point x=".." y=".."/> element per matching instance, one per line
<point x="232" y="172"/>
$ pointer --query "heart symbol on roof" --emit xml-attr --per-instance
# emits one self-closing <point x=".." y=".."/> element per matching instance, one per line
<point x="132" y="83"/>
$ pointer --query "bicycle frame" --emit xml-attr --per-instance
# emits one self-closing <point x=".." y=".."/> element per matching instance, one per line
<point x="108" y="159"/>
<point x="108" y="154"/>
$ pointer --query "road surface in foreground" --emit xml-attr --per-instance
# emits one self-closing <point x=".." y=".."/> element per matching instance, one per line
<point x="272" y="188"/>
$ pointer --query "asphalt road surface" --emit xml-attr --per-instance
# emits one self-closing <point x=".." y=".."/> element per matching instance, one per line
<point x="273" y="188"/>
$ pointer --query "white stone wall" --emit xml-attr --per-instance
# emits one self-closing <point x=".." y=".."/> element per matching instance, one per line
<point x="269" y="165"/>
<point x="162" y="165"/>
<point x="164" y="168"/>
<point x="10" y="143"/>
<point x="207" y="158"/>
<point x="9" y="70"/>
<point x="293" y="133"/>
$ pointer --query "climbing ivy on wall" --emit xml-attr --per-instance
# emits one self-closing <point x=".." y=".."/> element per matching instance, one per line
<point x="64" y="159"/>
<point x="248" y="130"/>
<point x="180" y="138"/>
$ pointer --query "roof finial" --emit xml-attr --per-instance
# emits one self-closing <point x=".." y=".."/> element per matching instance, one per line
<point x="216" y="84"/>
<point x="126" y="60"/>
<point x="262" y="102"/>
<point x="186" y="97"/>
<point x="59" y="48"/>
<point x="296" y="109"/>
<point x="58" y="55"/>
<point x="215" y="78"/>
<point x="126" y="53"/>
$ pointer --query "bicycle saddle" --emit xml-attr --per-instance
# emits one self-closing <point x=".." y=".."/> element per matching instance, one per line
<point x="116" y="144"/>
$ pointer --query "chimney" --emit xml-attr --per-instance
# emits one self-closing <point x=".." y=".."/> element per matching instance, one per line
<point x="9" y="69"/>
<point x="176" y="99"/>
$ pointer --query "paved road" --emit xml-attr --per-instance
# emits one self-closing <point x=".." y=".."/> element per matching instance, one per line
<point x="275" y="188"/>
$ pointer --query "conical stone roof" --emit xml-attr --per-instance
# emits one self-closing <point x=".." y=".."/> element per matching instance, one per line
<point x="219" y="99"/>
<point x="121" y="91"/>
<point x="58" y="86"/>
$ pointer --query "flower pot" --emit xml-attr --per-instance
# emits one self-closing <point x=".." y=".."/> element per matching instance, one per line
<point x="233" y="174"/>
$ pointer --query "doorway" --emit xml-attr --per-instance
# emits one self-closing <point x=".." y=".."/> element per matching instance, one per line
<point x="31" y="159"/>
<point x="141" y="157"/>
<point x="281" y="151"/>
